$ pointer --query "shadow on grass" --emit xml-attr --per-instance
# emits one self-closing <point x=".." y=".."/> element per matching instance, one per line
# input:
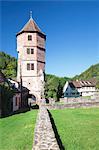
<point x="34" y="107"/>
<point x="21" y="110"/>
<point x="56" y="132"/>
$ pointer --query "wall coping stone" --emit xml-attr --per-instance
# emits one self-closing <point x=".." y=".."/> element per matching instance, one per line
<point x="44" y="137"/>
<point x="73" y="105"/>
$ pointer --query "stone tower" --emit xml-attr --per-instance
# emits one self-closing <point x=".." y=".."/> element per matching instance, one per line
<point x="31" y="58"/>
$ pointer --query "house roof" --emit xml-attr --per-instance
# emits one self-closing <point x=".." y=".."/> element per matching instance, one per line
<point x="17" y="86"/>
<point x="93" y="81"/>
<point x="2" y="77"/>
<point x="76" y="84"/>
<point x="31" y="26"/>
<point x="83" y="83"/>
<point x="24" y="89"/>
<point x="71" y="85"/>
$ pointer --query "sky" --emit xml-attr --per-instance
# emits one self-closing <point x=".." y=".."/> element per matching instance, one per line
<point x="71" y="27"/>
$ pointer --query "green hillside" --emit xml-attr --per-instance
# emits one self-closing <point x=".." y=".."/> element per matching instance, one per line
<point x="91" y="72"/>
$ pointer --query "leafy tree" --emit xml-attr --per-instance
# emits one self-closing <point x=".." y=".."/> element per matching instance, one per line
<point x="97" y="84"/>
<point x="6" y="94"/>
<point x="8" y="65"/>
<point x="54" y="86"/>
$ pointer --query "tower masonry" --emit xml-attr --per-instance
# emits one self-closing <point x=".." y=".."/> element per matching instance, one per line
<point x="31" y="58"/>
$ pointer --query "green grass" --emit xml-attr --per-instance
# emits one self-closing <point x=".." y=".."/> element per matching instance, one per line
<point x="78" y="128"/>
<point x="17" y="131"/>
<point x="86" y="97"/>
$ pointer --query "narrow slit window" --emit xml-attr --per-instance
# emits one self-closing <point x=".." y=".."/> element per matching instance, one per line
<point x="16" y="101"/>
<point x="28" y="51"/>
<point x="28" y="66"/>
<point x="32" y="51"/>
<point x="32" y="66"/>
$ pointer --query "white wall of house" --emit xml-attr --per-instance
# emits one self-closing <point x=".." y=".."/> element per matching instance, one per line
<point x="87" y="91"/>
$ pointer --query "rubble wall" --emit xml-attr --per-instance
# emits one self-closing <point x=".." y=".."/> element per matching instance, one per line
<point x="44" y="137"/>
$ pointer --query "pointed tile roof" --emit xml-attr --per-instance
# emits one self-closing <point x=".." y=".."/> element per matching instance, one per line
<point x="31" y="26"/>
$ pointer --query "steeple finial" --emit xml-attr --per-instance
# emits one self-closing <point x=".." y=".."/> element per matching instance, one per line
<point x="30" y="14"/>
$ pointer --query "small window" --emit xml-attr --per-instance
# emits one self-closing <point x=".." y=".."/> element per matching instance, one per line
<point x="29" y="37"/>
<point x="28" y="66"/>
<point x="28" y="51"/>
<point x="32" y="51"/>
<point x="32" y="66"/>
<point x="73" y="93"/>
<point x="16" y="101"/>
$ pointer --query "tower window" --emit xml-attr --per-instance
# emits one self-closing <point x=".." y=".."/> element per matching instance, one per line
<point x="28" y="51"/>
<point x="32" y="66"/>
<point x="29" y="37"/>
<point x="28" y="66"/>
<point x="32" y="51"/>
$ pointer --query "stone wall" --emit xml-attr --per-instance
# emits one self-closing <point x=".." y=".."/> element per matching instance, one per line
<point x="73" y="105"/>
<point x="44" y="137"/>
<point x="96" y="95"/>
<point x="79" y="99"/>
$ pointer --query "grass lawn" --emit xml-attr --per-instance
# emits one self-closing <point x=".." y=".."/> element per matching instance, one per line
<point x="78" y="128"/>
<point x="17" y="131"/>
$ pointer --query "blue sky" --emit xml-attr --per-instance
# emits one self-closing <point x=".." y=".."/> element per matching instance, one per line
<point x="72" y="29"/>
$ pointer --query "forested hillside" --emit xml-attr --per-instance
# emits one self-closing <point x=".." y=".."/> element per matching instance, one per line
<point x="8" y="65"/>
<point x="53" y="84"/>
<point x="91" y="72"/>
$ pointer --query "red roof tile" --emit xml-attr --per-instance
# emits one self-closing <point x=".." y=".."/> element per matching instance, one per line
<point x="30" y="26"/>
<point x="83" y="83"/>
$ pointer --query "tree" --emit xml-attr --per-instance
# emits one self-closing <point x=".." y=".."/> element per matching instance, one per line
<point x="54" y="86"/>
<point x="97" y="84"/>
<point x="6" y="94"/>
<point x="8" y="65"/>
